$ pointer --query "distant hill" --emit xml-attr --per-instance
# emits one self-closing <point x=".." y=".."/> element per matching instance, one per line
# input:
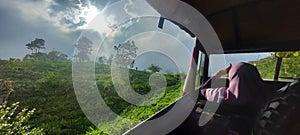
<point x="289" y="68"/>
<point x="47" y="86"/>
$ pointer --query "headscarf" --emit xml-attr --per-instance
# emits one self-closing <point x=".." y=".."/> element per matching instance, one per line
<point x="245" y="87"/>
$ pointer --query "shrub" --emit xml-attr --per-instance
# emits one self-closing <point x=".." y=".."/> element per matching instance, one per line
<point x="12" y="123"/>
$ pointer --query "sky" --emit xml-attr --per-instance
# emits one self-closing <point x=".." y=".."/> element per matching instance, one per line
<point x="58" y="22"/>
<point x="105" y="22"/>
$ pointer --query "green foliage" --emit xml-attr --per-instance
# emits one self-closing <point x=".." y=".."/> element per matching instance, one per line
<point x="36" y="45"/>
<point x="289" y="67"/>
<point x="51" y="56"/>
<point x="102" y="59"/>
<point x="57" y="56"/>
<point x="93" y="131"/>
<point x="36" y="56"/>
<point x="47" y="86"/>
<point x="266" y="67"/>
<point x="287" y="54"/>
<point x="173" y="79"/>
<point x="14" y="123"/>
<point x="135" y="114"/>
<point x="154" y="68"/>
<point x="54" y="81"/>
<point x="102" y="69"/>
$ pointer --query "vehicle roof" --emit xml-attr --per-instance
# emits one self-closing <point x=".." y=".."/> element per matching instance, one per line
<point x="252" y="25"/>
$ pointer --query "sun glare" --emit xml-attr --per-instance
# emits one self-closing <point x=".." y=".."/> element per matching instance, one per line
<point x="96" y="19"/>
<point x="91" y="13"/>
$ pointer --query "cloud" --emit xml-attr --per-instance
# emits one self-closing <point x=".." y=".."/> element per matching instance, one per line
<point x="130" y="8"/>
<point x="60" y="22"/>
<point x="138" y="8"/>
<point x="23" y="21"/>
<point x="66" y="15"/>
<point x="166" y="45"/>
<point x="41" y="11"/>
<point x="125" y="13"/>
<point x="144" y="60"/>
<point x="169" y="41"/>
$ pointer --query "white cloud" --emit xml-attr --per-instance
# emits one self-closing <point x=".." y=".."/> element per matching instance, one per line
<point x="32" y="11"/>
<point x="23" y="21"/>
<point x="165" y="44"/>
<point x="138" y="8"/>
<point x="114" y="22"/>
<point x="130" y="8"/>
<point x="120" y="14"/>
<point x="38" y="11"/>
<point x="67" y="20"/>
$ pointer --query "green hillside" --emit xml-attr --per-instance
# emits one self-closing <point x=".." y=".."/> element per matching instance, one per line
<point x="47" y="86"/>
<point x="289" y="68"/>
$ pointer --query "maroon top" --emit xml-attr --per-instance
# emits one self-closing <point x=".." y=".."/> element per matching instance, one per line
<point x="245" y="87"/>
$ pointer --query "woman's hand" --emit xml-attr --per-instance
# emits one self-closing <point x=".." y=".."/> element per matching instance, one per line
<point x="222" y="72"/>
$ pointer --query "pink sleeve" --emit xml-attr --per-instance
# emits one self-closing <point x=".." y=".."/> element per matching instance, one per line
<point x="214" y="94"/>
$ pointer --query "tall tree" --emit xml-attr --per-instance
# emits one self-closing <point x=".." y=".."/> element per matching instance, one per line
<point x="126" y="53"/>
<point x="102" y="59"/>
<point x="36" y="45"/>
<point x="154" y="68"/>
<point x="84" y="47"/>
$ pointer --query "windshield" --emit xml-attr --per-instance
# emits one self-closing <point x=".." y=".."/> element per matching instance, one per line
<point x="265" y="63"/>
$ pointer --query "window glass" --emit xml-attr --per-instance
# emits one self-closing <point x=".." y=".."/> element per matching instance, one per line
<point x="265" y="62"/>
<point x="200" y="68"/>
<point x="289" y="69"/>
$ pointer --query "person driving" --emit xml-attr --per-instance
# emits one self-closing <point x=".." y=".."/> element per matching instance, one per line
<point x="245" y="90"/>
<point x="245" y="86"/>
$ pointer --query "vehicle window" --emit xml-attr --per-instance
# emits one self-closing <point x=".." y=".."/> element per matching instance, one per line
<point x="289" y="66"/>
<point x="200" y="68"/>
<point x="265" y="63"/>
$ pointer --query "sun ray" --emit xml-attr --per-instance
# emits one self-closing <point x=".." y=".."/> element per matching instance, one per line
<point x="93" y="16"/>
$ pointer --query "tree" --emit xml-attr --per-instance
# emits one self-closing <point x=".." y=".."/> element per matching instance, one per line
<point x="57" y="56"/>
<point x="63" y="56"/>
<point x="14" y="122"/>
<point x="109" y="60"/>
<point x="102" y="59"/>
<point x="36" y="56"/>
<point x="83" y="46"/>
<point x="53" y="55"/>
<point x="126" y="53"/>
<point x="170" y="72"/>
<point x="28" y="57"/>
<point x="36" y="45"/>
<point x="154" y="68"/>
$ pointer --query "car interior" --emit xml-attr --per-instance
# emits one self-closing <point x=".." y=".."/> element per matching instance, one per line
<point x="244" y="26"/>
